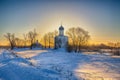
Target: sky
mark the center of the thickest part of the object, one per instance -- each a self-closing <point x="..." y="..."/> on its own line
<point x="101" y="18"/>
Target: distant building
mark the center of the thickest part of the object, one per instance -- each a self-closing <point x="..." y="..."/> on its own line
<point x="37" y="44"/>
<point x="61" y="41"/>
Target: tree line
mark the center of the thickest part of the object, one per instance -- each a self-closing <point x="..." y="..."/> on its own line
<point x="29" y="39"/>
<point x="14" y="41"/>
<point x="78" y="39"/>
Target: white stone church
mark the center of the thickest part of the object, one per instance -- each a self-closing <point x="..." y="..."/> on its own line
<point x="61" y="41"/>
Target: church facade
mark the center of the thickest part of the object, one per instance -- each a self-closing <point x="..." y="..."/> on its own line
<point x="61" y="41"/>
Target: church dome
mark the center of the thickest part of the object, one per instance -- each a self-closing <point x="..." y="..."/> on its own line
<point x="61" y="28"/>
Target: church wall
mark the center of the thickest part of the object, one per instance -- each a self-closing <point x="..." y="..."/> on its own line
<point x="61" y="41"/>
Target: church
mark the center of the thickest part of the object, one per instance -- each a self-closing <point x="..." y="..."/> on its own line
<point x="61" y="41"/>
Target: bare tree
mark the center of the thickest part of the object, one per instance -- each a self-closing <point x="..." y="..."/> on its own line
<point x="25" y="39"/>
<point x="82" y="37"/>
<point x="32" y="37"/>
<point x="11" y="38"/>
<point x="48" y="38"/>
<point x="19" y="42"/>
<point x="78" y="38"/>
<point x="49" y="34"/>
<point x="35" y="35"/>
<point x="55" y="33"/>
<point x="45" y="40"/>
<point x="72" y="37"/>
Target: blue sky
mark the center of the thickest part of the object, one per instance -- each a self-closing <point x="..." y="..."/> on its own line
<point x="100" y="17"/>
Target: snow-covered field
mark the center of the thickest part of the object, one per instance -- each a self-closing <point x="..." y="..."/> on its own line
<point x="57" y="65"/>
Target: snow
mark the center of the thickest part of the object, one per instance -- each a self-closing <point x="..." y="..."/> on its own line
<point x="50" y="64"/>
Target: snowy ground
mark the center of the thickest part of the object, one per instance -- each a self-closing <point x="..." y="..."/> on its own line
<point x="57" y="65"/>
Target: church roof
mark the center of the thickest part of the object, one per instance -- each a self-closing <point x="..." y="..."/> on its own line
<point x="61" y="28"/>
